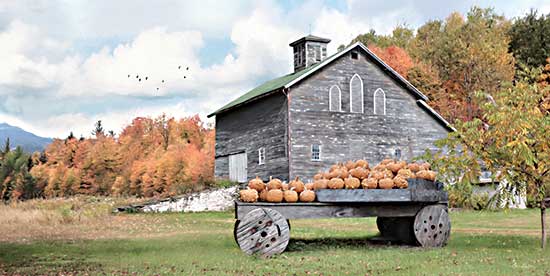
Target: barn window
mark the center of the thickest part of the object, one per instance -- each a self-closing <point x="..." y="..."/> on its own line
<point x="261" y="156"/>
<point x="379" y="102"/>
<point x="317" y="50"/>
<point x="354" y="55"/>
<point x="335" y="98"/>
<point x="356" y="94"/>
<point x="315" y="152"/>
<point x="397" y="154"/>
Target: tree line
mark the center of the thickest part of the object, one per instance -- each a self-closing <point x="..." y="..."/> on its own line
<point x="449" y="60"/>
<point x="151" y="157"/>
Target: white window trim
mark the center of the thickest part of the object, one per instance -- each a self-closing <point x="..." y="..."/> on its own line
<point x="374" y="99"/>
<point x="261" y="161"/>
<point x="320" y="151"/>
<point x="330" y="98"/>
<point x="351" y="95"/>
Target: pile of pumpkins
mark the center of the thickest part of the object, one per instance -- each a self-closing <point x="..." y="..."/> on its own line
<point x="388" y="174"/>
<point x="276" y="191"/>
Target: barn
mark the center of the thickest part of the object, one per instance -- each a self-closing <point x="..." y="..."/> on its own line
<point x="349" y="105"/>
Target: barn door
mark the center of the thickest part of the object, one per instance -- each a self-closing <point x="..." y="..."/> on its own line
<point x="237" y="167"/>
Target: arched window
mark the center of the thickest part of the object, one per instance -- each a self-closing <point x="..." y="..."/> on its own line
<point x="356" y="94"/>
<point x="379" y="102"/>
<point x="335" y="98"/>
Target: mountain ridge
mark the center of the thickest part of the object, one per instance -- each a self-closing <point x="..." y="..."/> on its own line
<point x="30" y="142"/>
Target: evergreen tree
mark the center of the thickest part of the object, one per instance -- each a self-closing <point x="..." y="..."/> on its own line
<point x="98" y="130"/>
<point x="529" y="39"/>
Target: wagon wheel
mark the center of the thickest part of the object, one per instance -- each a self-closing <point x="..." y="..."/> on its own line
<point x="432" y="226"/>
<point x="235" y="230"/>
<point x="263" y="231"/>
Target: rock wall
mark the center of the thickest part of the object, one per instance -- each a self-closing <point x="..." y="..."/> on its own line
<point x="211" y="200"/>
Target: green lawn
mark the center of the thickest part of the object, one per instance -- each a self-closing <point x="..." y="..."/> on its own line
<point x="482" y="243"/>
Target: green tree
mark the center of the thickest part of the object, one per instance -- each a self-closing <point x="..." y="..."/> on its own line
<point x="401" y="37"/>
<point x="98" y="129"/>
<point x="15" y="180"/>
<point x="510" y="139"/>
<point x="7" y="148"/>
<point x="529" y="39"/>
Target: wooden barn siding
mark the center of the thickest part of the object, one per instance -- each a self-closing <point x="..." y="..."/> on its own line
<point x="345" y="135"/>
<point x="250" y="127"/>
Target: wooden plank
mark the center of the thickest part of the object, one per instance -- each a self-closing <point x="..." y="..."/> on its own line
<point x="363" y="195"/>
<point x="324" y="210"/>
<point x="428" y="196"/>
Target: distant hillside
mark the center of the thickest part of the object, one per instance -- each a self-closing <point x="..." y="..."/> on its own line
<point x="19" y="137"/>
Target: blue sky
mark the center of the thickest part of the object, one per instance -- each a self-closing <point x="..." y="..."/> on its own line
<point x="65" y="64"/>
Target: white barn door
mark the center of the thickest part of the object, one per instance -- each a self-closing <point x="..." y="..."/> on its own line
<point x="237" y="167"/>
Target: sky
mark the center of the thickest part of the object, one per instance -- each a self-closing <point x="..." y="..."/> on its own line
<point x="65" y="64"/>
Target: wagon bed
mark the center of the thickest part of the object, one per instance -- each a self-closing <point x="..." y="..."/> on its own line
<point x="416" y="215"/>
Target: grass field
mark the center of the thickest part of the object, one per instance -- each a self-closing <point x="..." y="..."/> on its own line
<point x="81" y="236"/>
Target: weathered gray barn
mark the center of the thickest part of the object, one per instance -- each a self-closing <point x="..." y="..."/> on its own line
<point x="350" y="105"/>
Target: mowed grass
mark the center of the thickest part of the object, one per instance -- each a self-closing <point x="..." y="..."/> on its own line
<point x="482" y="243"/>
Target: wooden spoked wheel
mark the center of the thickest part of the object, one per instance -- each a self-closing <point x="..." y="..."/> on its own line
<point x="262" y="231"/>
<point x="432" y="226"/>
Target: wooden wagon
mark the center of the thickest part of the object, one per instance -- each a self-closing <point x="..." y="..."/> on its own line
<point x="416" y="215"/>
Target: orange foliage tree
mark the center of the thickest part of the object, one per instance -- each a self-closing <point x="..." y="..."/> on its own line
<point x="151" y="157"/>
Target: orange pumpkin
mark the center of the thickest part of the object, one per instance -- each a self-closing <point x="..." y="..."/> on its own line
<point x="297" y="184"/>
<point x="275" y="195"/>
<point x="352" y="183"/>
<point x="406" y="173"/>
<point x="336" y="183"/>
<point x="307" y="196"/>
<point x="362" y="164"/>
<point x="290" y="196"/>
<point x="370" y="183"/>
<point x="386" y="161"/>
<point x="414" y="167"/>
<point x="263" y="195"/>
<point x="320" y="184"/>
<point x="385" y="183"/>
<point x="400" y="182"/>
<point x="274" y="183"/>
<point x="256" y="184"/>
<point x="248" y="195"/>
<point x="350" y="165"/>
<point x="318" y="176"/>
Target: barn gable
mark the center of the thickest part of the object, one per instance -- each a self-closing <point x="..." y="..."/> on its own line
<point x="287" y="81"/>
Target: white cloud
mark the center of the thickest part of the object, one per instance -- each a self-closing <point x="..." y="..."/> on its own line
<point x="65" y="63"/>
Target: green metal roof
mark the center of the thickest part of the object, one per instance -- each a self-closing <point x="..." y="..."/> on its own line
<point x="266" y="87"/>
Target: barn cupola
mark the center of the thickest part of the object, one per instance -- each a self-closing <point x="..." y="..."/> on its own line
<point x="309" y="50"/>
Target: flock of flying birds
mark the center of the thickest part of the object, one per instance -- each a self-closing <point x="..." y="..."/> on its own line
<point x="146" y="78"/>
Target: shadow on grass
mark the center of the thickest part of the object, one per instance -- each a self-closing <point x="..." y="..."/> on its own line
<point x="457" y="241"/>
<point x="316" y="244"/>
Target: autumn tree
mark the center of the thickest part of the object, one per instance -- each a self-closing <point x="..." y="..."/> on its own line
<point x="470" y="53"/>
<point x="395" y="57"/>
<point x="510" y="139"/>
